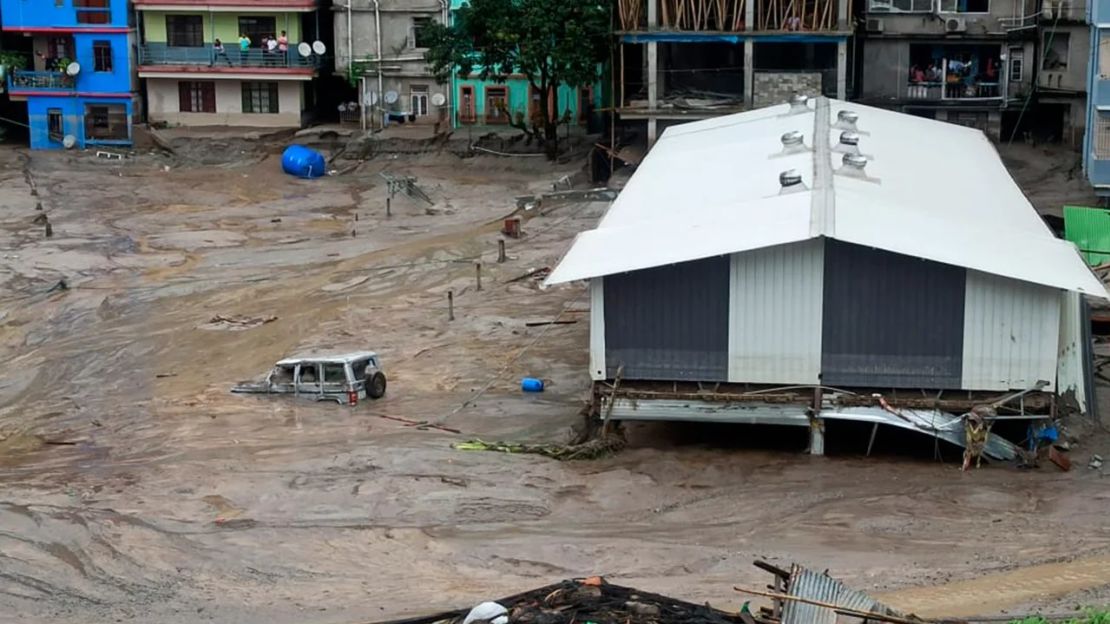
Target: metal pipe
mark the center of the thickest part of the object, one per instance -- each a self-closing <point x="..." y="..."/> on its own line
<point x="445" y="8"/>
<point x="378" y="37"/>
<point x="350" y="40"/>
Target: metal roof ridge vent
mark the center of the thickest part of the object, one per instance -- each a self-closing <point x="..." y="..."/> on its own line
<point x="793" y="142"/>
<point x="854" y="166"/>
<point x="799" y="104"/>
<point x="791" y="182"/>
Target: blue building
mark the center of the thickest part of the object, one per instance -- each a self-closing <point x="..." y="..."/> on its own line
<point x="1096" y="140"/>
<point x="77" y="80"/>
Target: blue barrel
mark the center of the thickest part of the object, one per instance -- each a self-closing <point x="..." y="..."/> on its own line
<point x="303" y="162"/>
<point x="531" y="384"/>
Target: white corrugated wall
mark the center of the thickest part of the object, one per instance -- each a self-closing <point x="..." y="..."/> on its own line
<point x="1070" y="375"/>
<point x="597" y="329"/>
<point x="1011" y="333"/>
<point x="775" y="314"/>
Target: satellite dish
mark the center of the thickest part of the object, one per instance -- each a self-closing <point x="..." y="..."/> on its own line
<point x="69" y="141"/>
<point x="438" y="99"/>
<point x="352" y="106"/>
<point x="319" y="48"/>
<point x="73" y="69"/>
<point x="342" y="108"/>
<point x="391" y="97"/>
<point x="304" y="49"/>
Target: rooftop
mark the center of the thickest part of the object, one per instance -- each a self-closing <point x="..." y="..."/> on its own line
<point x="922" y="188"/>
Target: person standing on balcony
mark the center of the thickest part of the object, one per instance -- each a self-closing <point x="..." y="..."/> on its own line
<point x="219" y="51"/>
<point x="272" y="51"/>
<point x="244" y="48"/>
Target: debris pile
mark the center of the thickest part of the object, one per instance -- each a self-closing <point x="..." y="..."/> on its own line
<point x="594" y="448"/>
<point x="579" y="602"/>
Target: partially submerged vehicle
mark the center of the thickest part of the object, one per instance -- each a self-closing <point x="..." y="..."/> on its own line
<point x="344" y="378"/>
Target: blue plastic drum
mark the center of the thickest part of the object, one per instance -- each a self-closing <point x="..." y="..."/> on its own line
<point x="303" y="162"/>
<point x="531" y="384"/>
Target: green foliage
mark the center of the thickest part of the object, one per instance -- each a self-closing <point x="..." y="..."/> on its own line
<point x="550" y="42"/>
<point x="12" y="60"/>
<point x="356" y="70"/>
<point x="1092" y="616"/>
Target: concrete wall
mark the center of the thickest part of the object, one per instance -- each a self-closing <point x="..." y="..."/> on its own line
<point x="43" y="13"/>
<point x="222" y="26"/>
<point x="1072" y="77"/>
<point x="771" y="87"/>
<point x="396" y="18"/>
<point x="73" y="119"/>
<point x="1001" y="15"/>
<point x="163" y="105"/>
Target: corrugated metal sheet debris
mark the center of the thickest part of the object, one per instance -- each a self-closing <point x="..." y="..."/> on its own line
<point x="928" y="422"/>
<point x="810" y="585"/>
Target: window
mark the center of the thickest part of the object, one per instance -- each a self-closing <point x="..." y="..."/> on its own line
<point x="106" y="122"/>
<point x="258" y="27"/>
<point x="418" y="32"/>
<point x="196" y="97"/>
<point x="585" y="104"/>
<point x="1104" y="53"/>
<point x="334" y="373"/>
<point x="466" y="105"/>
<point x="1102" y="136"/>
<point x="93" y="11"/>
<point x="1056" y="50"/>
<point x="54" y="126"/>
<point x="497" y="105"/>
<point x="102" y="56"/>
<point x="419" y="99"/>
<point x="1017" y="64"/>
<point x="185" y="31"/>
<point x="965" y="6"/>
<point x="902" y="6"/>
<point x="59" y="48"/>
<point x="260" y="97"/>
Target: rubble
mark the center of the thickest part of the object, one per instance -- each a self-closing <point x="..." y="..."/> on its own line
<point x="581" y="601"/>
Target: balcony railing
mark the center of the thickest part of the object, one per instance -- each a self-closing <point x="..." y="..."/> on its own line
<point x="953" y="91"/>
<point x="20" y="79"/>
<point x="161" y="54"/>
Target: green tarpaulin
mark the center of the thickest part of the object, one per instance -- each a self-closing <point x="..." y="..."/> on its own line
<point x="1089" y="229"/>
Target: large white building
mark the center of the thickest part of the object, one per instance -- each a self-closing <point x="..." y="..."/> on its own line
<point x="830" y="260"/>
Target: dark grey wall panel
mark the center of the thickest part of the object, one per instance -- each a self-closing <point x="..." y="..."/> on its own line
<point x="669" y="323"/>
<point x="890" y="321"/>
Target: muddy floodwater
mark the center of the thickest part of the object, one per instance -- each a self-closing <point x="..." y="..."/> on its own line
<point x="134" y="486"/>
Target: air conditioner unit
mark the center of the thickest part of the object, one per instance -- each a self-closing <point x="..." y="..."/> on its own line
<point x="874" y="25"/>
<point x="955" y="25"/>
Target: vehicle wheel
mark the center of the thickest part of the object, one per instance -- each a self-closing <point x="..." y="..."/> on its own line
<point x="376" y="387"/>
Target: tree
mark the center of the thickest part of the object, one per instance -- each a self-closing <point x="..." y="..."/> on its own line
<point x="550" y="42"/>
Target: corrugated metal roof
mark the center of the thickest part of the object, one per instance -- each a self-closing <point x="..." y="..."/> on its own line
<point x="932" y="190"/>
<point x="928" y="422"/>
<point x="1089" y="229"/>
<point x="805" y="583"/>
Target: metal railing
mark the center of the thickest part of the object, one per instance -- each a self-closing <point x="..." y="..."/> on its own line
<point x="953" y="91"/>
<point x="21" y="79"/>
<point x="160" y="54"/>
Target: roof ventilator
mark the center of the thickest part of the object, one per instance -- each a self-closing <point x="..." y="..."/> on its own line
<point x="799" y="103"/>
<point x="846" y="120"/>
<point x="793" y="142"/>
<point x="854" y="165"/>
<point x="849" y="143"/>
<point x="791" y="182"/>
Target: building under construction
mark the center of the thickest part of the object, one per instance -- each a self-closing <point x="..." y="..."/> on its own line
<point x="681" y="60"/>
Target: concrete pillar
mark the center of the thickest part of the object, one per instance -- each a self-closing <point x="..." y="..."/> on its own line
<point x="652" y="131"/>
<point x="652" y="87"/>
<point x="842" y="69"/>
<point x="749" y="72"/>
<point x="749" y="14"/>
<point x="842" y="15"/>
<point x="816" y="436"/>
